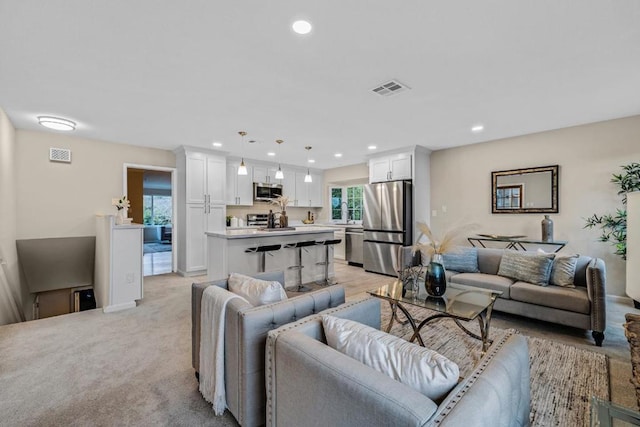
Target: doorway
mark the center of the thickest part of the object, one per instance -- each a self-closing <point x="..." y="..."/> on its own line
<point x="150" y="190"/>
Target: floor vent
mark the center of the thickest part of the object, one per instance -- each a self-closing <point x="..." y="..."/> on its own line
<point x="392" y="87"/>
<point x="60" y="155"/>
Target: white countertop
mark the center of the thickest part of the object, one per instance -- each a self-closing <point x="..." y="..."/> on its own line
<point x="244" y="233"/>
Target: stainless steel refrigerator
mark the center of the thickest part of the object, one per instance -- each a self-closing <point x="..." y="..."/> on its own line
<point x="387" y="222"/>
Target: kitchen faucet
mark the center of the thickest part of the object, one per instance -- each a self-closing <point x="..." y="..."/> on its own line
<point x="344" y="207"/>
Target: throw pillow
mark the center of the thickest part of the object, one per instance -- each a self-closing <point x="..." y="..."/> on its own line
<point x="526" y="266"/>
<point x="422" y="369"/>
<point x="563" y="271"/>
<point x="462" y="260"/>
<point x="256" y="291"/>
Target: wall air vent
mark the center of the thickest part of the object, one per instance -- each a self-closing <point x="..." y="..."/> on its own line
<point x="60" y="155"/>
<point x="392" y="87"/>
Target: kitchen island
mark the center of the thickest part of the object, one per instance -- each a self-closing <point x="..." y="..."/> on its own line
<point x="227" y="254"/>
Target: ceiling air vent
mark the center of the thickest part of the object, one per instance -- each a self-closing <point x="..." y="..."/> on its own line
<point x="60" y="155"/>
<point x="390" y="88"/>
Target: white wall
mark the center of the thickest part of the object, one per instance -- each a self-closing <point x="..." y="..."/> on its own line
<point x="341" y="176"/>
<point x="10" y="311"/>
<point x="587" y="155"/>
<point x="62" y="200"/>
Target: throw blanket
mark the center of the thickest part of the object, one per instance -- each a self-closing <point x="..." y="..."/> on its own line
<point x="213" y="307"/>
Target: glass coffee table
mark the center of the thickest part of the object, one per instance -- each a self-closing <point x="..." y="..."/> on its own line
<point x="458" y="303"/>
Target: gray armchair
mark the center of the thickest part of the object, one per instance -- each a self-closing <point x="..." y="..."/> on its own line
<point x="311" y="384"/>
<point x="246" y="330"/>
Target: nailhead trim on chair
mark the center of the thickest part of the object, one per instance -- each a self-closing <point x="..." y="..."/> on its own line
<point x="474" y="376"/>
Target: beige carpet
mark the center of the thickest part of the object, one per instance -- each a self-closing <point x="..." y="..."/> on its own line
<point x="127" y="368"/>
<point x="563" y="378"/>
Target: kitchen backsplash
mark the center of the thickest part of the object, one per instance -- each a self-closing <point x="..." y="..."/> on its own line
<point x="294" y="213"/>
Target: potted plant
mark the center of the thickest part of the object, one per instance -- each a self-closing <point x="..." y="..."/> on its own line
<point x="614" y="226"/>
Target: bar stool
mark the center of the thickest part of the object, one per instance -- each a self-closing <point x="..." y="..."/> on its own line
<point x="327" y="244"/>
<point x="298" y="265"/>
<point x="262" y="250"/>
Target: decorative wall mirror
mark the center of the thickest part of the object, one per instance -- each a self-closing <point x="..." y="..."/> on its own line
<point x="531" y="190"/>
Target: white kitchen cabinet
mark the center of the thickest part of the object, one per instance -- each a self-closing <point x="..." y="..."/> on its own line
<point x="265" y="174"/>
<point x="201" y="205"/>
<point x="339" y="249"/>
<point x="390" y="168"/>
<point x="289" y="186"/>
<point x="239" y="187"/>
<point x="119" y="274"/>
<point x="308" y="194"/>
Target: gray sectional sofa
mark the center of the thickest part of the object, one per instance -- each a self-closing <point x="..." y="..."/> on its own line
<point x="581" y="307"/>
<point x="311" y="384"/>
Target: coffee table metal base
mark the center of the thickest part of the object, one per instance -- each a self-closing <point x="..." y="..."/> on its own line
<point x="484" y="321"/>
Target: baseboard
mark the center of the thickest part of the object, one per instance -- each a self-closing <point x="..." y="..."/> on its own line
<point x="118" y="307"/>
<point x="621" y="300"/>
<point x="191" y="273"/>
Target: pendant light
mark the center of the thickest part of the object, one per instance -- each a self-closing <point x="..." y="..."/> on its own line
<point x="242" y="169"/>
<point x="307" y="177"/>
<point x="279" y="174"/>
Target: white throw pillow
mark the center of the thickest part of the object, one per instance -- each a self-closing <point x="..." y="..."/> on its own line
<point x="418" y="367"/>
<point x="256" y="291"/>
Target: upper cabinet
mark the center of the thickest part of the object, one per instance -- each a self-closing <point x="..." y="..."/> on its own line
<point x="265" y="174"/>
<point x="307" y="194"/>
<point x="390" y="168"/>
<point x="205" y="178"/>
<point x="239" y="187"/>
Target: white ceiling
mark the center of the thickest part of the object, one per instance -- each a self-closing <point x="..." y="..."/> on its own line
<point x="164" y="73"/>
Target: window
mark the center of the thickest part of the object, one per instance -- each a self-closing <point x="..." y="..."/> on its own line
<point x="156" y="209"/>
<point x="346" y="203"/>
<point x="509" y="197"/>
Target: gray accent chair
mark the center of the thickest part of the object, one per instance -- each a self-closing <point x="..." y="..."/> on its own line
<point x="581" y="307"/>
<point x="311" y="384"/>
<point x="246" y="330"/>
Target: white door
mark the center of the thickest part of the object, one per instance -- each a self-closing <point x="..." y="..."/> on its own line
<point x="378" y="170"/>
<point x="302" y="190"/>
<point x="196" y="242"/>
<point x="315" y="191"/>
<point x="231" y="194"/>
<point x="400" y="167"/>
<point x="196" y="178"/>
<point x="244" y="189"/>
<point x="216" y="177"/>
<point x="216" y="218"/>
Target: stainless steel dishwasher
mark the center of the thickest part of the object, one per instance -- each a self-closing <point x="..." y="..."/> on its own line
<point x="354" y="245"/>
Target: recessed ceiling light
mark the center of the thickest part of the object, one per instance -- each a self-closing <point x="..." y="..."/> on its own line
<point x="477" y="128"/>
<point x="301" y="27"/>
<point x="311" y="161"/>
<point x="56" y="123"/>
<point x="217" y="144"/>
<point x="372" y="147"/>
<point x="338" y="155"/>
<point x="271" y="153"/>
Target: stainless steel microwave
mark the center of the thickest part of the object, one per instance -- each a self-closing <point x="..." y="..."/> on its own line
<point x="266" y="192"/>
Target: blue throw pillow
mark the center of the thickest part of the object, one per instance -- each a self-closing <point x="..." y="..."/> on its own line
<point x="462" y="260"/>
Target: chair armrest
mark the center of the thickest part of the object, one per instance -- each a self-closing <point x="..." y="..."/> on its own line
<point x="596" y="288"/>
<point x="306" y="372"/>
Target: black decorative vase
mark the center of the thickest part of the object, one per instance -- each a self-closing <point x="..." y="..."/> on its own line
<point x="436" y="281"/>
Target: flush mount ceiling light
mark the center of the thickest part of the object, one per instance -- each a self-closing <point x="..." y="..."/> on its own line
<point x="217" y="144"/>
<point x="337" y="155"/>
<point x="279" y="174"/>
<point x="372" y="147"/>
<point x="271" y="154"/>
<point x="301" y="27"/>
<point x="311" y="161"/>
<point x="307" y="177"/>
<point x="56" y="123"/>
<point x="477" y="128"/>
<point x="242" y="169"/>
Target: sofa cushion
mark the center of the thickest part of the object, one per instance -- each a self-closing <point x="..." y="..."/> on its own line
<point x="461" y="259"/>
<point x="256" y="291"/>
<point x="485" y="281"/>
<point x="418" y="367"/>
<point x="563" y="270"/>
<point x="489" y="260"/>
<point x="570" y="299"/>
<point x="526" y="266"/>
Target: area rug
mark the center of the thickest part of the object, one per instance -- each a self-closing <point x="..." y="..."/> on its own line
<point x="563" y="378"/>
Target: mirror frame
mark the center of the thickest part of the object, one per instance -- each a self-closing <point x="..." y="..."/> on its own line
<point x="554" y="190"/>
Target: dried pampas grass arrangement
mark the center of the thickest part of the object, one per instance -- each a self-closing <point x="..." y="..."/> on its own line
<point x="439" y="246"/>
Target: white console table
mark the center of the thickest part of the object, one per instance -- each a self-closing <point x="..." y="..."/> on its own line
<point x="119" y="274"/>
